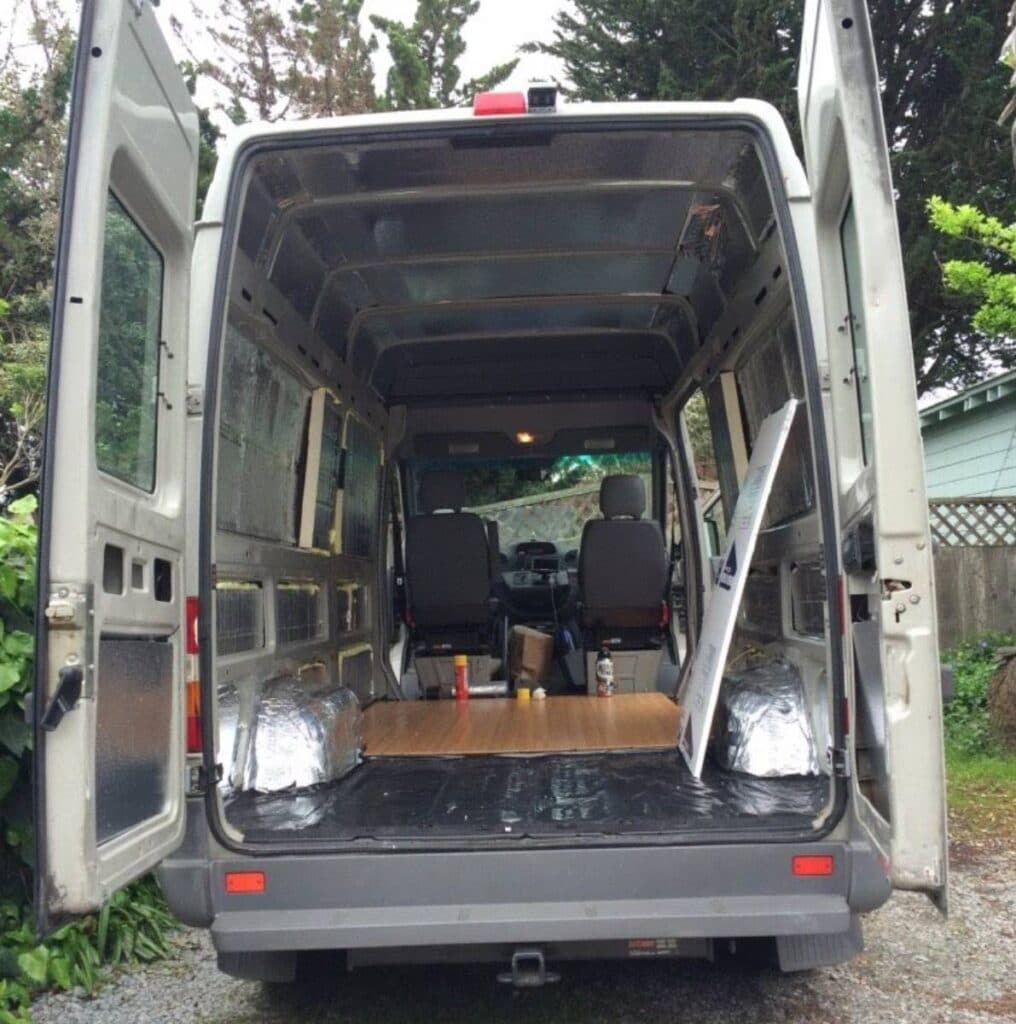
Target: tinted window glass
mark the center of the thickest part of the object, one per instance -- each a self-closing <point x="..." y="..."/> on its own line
<point x="130" y="314"/>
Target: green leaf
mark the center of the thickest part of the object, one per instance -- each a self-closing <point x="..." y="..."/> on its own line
<point x="9" y="963"/>
<point x="19" y="644"/>
<point x="60" y="972"/>
<point x="10" y="675"/>
<point x="26" y="506"/>
<point x="15" y="733"/>
<point x="9" y="770"/>
<point x="33" y="964"/>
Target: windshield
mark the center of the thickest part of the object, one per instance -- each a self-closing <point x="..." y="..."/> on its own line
<point x="538" y="499"/>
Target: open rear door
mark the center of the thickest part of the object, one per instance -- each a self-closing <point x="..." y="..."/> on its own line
<point x="896" y="721"/>
<point x="108" y="692"/>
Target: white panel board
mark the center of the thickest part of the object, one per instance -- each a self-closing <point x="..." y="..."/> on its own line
<point x="701" y="690"/>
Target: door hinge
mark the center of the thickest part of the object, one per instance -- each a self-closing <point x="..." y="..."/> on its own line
<point x="840" y="760"/>
<point x="195" y="400"/>
<point x="859" y="554"/>
<point x="202" y="779"/>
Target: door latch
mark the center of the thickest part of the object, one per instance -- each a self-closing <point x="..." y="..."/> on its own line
<point x="70" y="681"/>
<point x="840" y="762"/>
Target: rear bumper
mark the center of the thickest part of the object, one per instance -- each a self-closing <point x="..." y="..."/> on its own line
<point x="527" y="923"/>
<point x="377" y="899"/>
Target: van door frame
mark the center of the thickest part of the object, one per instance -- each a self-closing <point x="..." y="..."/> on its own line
<point x="762" y="123"/>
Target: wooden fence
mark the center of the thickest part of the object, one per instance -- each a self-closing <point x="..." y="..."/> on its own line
<point x="975" y="566"/>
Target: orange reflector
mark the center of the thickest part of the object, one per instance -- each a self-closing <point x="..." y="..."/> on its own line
<point x="487" y="103"/>
<point x="810" y="865"/>
<point x="193" y="717"/>
<point x="245" y="881"/>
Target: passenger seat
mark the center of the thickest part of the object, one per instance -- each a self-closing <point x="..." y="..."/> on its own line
<point x="623" y="569"/>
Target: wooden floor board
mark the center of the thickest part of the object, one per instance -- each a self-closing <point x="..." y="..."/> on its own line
<point x="632" y="721"/>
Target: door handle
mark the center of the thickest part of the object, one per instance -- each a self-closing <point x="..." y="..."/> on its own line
<point x="70" y="681"/>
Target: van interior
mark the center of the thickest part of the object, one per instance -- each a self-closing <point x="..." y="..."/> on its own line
<point x="487" y="395"/>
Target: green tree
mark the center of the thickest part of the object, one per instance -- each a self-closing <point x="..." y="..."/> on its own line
<point x="988" y="283"/>
<point x="941" y="84"/>
<point x="274" y="61"/>
<point x="208" y="137"/>
<point x="333" y="71"/>
<point x="425" y="57"/>
<point x="34" y="90"/>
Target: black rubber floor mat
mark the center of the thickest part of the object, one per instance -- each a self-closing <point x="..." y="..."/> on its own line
<point x="539" y="796"/>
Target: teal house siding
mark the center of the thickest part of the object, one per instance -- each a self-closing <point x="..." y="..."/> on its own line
<point x="970" y="442"/>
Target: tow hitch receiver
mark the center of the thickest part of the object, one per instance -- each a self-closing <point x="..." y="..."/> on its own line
<point x="528" y="970"/>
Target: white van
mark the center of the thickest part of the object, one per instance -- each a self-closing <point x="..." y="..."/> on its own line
<point x="350" y="424"/>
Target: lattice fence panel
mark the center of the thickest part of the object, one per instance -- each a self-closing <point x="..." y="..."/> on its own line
<point x="973" y="522"/>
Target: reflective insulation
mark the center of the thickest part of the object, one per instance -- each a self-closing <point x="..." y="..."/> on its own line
<point x="301" y="737"/>
<point x="299" y="612"/>
<point x="134" y="701"/>
<point x="239" y="616"/>
<point x="765" y="730"/>
<point x="547" y="795"/>
<point x="261" y="430"/>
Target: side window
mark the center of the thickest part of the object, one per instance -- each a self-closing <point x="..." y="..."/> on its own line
<point x="361" y="491"/>
<point x="700" y="432"/>
<point x="130" y="323"/>
<point x="858" y="333"/>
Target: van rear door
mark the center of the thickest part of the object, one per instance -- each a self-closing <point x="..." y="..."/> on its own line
<point x="896" y="731"/>
<point x="109" y="761"/>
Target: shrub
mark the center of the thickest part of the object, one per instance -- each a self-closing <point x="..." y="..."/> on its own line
<point x="967" y="728"/>
<point x="135" y="924"/>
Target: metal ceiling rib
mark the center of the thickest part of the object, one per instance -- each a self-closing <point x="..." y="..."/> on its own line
<point x="410" y="249"/>
<point x="650" y="300"/>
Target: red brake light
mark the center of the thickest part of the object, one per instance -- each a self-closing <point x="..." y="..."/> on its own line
<point x="245" y="882"/>
<point x="193" y="692"/>
<point x="486" y="104"/>
<point x="812" y="865"/>
<point x="193" y="606"/>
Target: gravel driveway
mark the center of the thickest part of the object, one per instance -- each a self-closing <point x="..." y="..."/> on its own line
<point x="917" y="969"/>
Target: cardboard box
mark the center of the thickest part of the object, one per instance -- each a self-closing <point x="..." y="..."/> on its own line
<point x="529" y="654"/>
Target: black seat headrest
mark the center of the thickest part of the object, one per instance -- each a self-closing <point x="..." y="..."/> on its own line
<point x="442" y="491"/>
<point x="622" y="496"/>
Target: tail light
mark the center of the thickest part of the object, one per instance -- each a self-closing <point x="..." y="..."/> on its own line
<point x="245" y="882"/>
<point x="193" y="689"/>
<point x="810" y="865"/>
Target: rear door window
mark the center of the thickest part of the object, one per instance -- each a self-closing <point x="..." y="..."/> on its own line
<point x="130" y="320"/>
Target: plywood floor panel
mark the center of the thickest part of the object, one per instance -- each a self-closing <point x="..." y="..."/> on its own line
<point x="630" y="721"/>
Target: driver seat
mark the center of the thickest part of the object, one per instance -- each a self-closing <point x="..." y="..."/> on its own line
<point x="623" y="568"/>
<point x="448" y="570"/>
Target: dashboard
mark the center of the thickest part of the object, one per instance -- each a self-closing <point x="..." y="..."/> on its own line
<point x="538" y="573"/>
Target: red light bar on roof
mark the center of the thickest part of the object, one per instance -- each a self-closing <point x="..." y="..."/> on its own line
<point x="486" y="104"/>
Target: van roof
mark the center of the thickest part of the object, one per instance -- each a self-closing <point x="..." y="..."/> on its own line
<point x="445" y="256"/>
